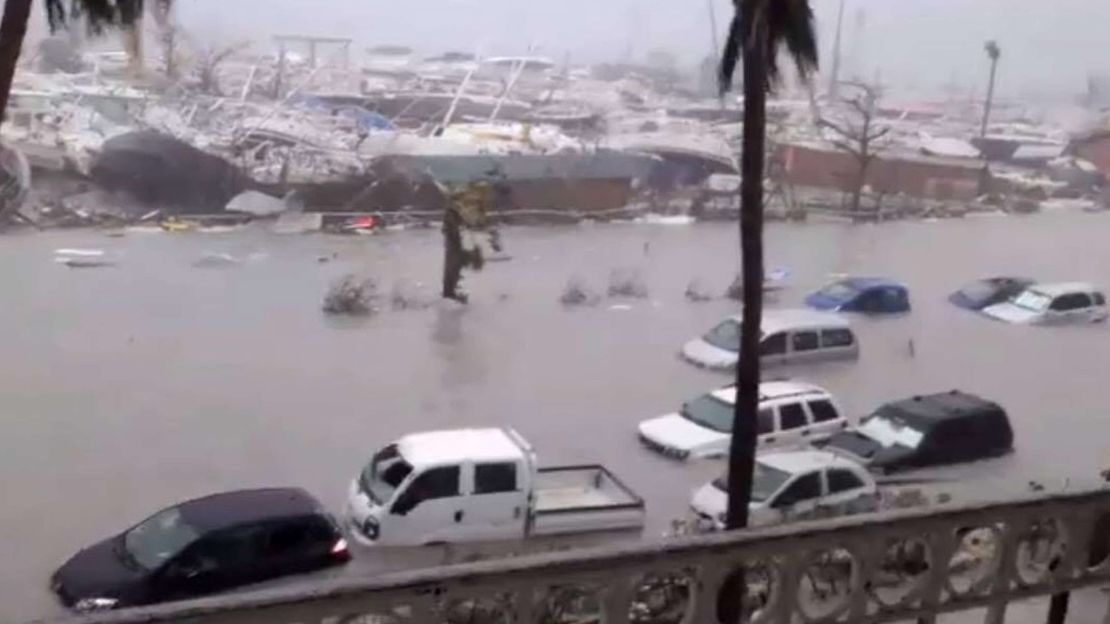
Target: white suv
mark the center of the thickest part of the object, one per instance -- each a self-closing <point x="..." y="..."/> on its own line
<point x="791" y="413"/>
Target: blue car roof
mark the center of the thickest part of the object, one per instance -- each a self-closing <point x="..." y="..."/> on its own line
<point x="864" y="283"/>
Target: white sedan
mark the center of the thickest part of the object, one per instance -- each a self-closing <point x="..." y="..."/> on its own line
<point x="792" y="485"/>
<point x="1052" y="304"/>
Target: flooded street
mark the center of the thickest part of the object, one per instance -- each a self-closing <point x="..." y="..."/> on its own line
<point x="129" y="388"/>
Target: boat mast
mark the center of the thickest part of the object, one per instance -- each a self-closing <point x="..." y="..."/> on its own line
<point x="459" y="92"/>
<point x="834" y="75"/>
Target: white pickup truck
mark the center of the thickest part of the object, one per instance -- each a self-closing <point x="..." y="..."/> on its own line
<point x="482" y="485"/>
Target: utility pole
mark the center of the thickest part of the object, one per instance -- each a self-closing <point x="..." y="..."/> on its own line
<point x="713" y="32"/>
<point x="834" y="75"/>
<point x="993" y="52"/>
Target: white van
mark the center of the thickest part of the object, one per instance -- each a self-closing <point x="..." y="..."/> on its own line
<point x="790" y="413"/>
<point x="789" y="337"/>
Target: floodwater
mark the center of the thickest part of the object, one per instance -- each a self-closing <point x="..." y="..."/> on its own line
<point x="126" y="389"/>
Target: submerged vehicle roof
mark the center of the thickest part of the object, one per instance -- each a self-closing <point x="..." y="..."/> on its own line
<point x="927" y="410"/>
<point x="238" y="507"/>
<point x="1056" y="289"/>
<point x="799" y="318"/>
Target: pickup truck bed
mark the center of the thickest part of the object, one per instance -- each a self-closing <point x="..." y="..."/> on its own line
<point x="576" y="499"/>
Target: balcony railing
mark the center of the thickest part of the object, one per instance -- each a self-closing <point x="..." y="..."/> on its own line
<point x="900" y="566"/>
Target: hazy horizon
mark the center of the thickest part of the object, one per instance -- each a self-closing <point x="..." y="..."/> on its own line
<point x="913" y="45"/>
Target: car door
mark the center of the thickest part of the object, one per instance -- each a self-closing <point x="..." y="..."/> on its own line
<point x="1098" y="310"/>
<point x="430" y="509"/>
<point x="772" y="349"/>
<point x="289" y="546"/>
<point x="767" y="426"/>
<point x="893" y="300"/>
<point x="867" y="302"/>
<point x="844" y="487"/>
<point x="498" y="506"/>
<point x="1070" y="308"/>
<point x="805" y="346"/>
<point x="211" y="564"/>
<point x="945" y="443"/>
<point x="794" y="425"/>
<point x="825" y="417"/>
<point x="799" y="499"/>
<point x="838" y="343"/>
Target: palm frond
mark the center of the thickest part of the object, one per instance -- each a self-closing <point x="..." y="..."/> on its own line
<point x="790" y="25"/>
<point x="777" y="24"/>
<point x="98" y="14"/>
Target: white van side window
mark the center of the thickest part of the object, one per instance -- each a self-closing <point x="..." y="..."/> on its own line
<point x="765" y="421"/>
<point x="831" y="338"/>
<point x="823" y="410"/>
<point x="805" y="341"/>
<point x="775" y="344"/>
<point x="793" y="416"/>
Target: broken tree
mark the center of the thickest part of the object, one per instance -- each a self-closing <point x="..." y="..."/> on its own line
<point x="859" y="136"/>
<point x="469" y="208"/>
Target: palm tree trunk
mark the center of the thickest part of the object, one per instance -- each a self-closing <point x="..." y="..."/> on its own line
<point x="13" y="27"/>
<point x="741" y="460"/>
<point x="990" y="98"/>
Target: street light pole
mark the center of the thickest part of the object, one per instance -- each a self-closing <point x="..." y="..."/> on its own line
<point x="993" y="52"/>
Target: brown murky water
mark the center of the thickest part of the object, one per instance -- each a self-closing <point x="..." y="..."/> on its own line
<point x="126" y="389"/>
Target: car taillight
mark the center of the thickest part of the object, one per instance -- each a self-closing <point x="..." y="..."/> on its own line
<point x="339" y="550"/>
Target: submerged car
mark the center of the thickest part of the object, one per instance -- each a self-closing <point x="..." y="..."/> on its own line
<point x="867" y="295"/>
<point x="987" y="292"/>
<point x="203" y="546"/>
<point x="932" y="430"/>
<point x="789" y="337"/>
<point x="790" y="413"/>
<point x="791" y="485"/>
<point x="1068" y="303"/>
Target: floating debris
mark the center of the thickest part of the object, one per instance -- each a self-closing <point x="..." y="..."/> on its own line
<point x="576" y="293"/>
<point x="352" y="296"/>
<point x="84" y="262"/>
<point x="627" y="283"/>
<point x="82" y="258"/>
<point x="774" y="280"/>
<point x="407" y="296"/>
<point x="85" y="253"/>
<point x="697" y="293"/>
<point x="735" y="290"/>
<point x="212" y="260"/>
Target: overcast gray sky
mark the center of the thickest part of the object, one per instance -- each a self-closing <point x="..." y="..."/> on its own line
<point x="1048" y="45"/>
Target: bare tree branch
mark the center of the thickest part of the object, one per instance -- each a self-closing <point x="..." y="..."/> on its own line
<point x="845" y="146"/>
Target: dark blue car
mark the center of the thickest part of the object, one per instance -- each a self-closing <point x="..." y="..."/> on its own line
<point x="989" y="291"/>
<point x="868" y="295"/>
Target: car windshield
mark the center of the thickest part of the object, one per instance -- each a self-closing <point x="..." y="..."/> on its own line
<point x="384" y="474"/>
<point x="889" y="431"/>
<point x="839" y="291"/>
<point x="725" y="336"/>
<point x="709" y="411"/>
<point x="159" y="538"/>
<point x="765" y="482"/>
<point x="1032" y="300"/>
